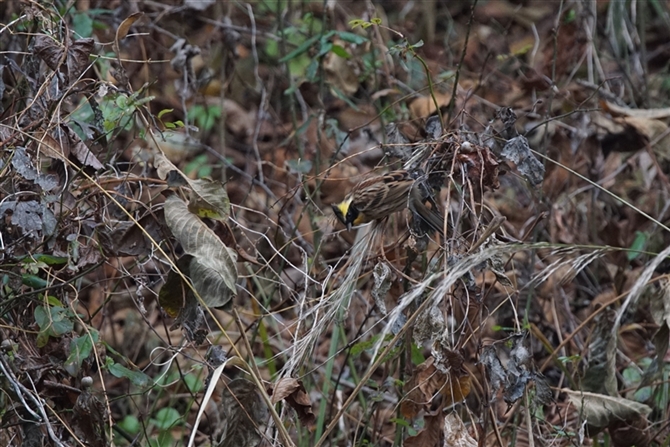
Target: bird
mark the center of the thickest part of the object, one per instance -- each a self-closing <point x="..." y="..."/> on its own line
<point x="378" y="197"/>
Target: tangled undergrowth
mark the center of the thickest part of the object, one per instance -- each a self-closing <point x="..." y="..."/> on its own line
<point x="173" y="273"/>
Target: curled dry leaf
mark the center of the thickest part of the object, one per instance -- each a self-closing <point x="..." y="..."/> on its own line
<point x="340" y="72"/>
<point x="427" y="381"/>
<point x="455" y="432"/>
<point x="213" y="269"/>
<point x="76" y="61"/>
<point x="600" y="410"/>
<point x="480" y="164"/>
<point x="122" y="30"/>
<point x="89" y="421"/>
<point x="518" y="152"/>
<point x="293" y="391"/>
<point x="425" y="105"/>
<point x="81" y="152"/>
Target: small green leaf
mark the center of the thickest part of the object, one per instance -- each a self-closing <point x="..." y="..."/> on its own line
<point x="306" y="45"/>
<point x="46" y="259"/>
<point x="301" y="166"/>
<point x="53" y="301"/>
<point x="352" y="37"/>
<point x="80" y="350"/>
<point x="82" y="24"/>
<point x="638" y="245"/>
<point x="137" y="378"/>
<point x="419" y="44"/>
<point x="340" y="51"/>
<point x="34" y="281"/>
<point x="166" y="418"/>
<point x="130" y="424"/>
<point x="163" y="112"/>
<point x="193" y="383"/>
<point x="311" y="71"/>
<point x="325" y="49"/>
<point x="53" y="322"/>
<point x="417" y="355"/>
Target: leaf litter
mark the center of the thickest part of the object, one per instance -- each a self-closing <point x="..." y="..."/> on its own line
<point x="163" y="151"/>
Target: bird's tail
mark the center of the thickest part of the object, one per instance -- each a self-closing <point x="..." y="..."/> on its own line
<point x="430" y="217"/>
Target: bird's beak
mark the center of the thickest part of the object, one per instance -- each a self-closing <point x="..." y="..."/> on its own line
<point x="349" y="226"/>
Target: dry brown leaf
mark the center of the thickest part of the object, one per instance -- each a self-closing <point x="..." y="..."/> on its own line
<point x="293" y="391"/>
<point x="122" y="30"/>
<point x="48" y="146"/>
<point x="455" y="432"/>
<point x="81" y="152"/>
<point x="637" y="113"/>
<point x="653" y="131"/>
<point x="424" y="106"/>
<point x="76" y="60"/>
<point x="426" y="381"/>
<point x="340" y="72"/>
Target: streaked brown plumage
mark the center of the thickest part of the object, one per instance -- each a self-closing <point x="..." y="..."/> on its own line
<point x="378" y="197"/>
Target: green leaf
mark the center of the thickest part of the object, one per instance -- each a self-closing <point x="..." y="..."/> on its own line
<point x="137" y="378"/>
<point x="306" y="45"/>
<point x="301" y="166"/>
<point x="166" y="418"/>
<point x="324" y="49"/>
<point x="82" y="24"/>
<point x="311" y="71"/>
<point x="163" y="112"/>
<point x="638" y="245"/>
<point x="340" y="51"/>
<point x="80" y="350"/>
<point x="130" y="424"/>
<point x="46" y="259"/>
<point x="419" y="44"/>
<point x="53" y="322"/>
<point x="352" y="37"/>
<point x="34" y="281"/>
<point x="417" y="355"/>
<point x="193" y="383"/>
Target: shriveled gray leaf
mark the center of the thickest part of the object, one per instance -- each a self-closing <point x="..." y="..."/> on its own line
<point x="660" y="311"/>
<point x="600" y="375"/>
<point x="433" y="127"/>
<point x="518" y="152"/>
<point x="383" y="282"/>
<point x="24" y="166"/>
<point x="30" y="216"/>
<point x="76" y="61"/>
<point x="198" y="5"/>
<point x="209" y="199"/>
<point x="80" y="150"/>
<point x="213" y="269"/>
<point x="494" y="369"/>
<point x="600" y="410"/>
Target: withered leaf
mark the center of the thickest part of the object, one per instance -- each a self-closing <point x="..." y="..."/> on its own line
<point x="76" y="62"/>
<point x="293" y="391"/>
